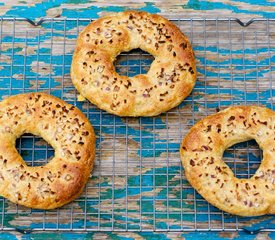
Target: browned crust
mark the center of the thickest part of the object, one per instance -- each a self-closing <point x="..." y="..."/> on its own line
<point x="201" y="154"/>
<point x="70" y="134"/>
<point x="170" y="79"/>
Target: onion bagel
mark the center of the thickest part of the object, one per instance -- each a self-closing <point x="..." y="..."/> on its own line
<point x="171" y="76"/>
<point x="68" y="131"/>
<point x="202" y="151"/>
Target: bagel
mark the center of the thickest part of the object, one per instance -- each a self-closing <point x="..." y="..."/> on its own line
<point x="202" y="151"/>
<point x="170" y="79"/>
<point x="68" y="131"/>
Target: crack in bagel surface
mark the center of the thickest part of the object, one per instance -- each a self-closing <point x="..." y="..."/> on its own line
<point x="66" y="129"/>
<point x="202" y="151"/>
<point x="169" y="80"/>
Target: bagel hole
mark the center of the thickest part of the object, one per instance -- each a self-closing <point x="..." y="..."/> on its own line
<point x="133" y="62"/>
<point x="34" y="150"/>
<point x="243" y="158"/>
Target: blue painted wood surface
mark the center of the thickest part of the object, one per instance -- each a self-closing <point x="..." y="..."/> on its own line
<point x="152" y="143"/>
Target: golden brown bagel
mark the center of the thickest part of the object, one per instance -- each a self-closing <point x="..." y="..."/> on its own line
<point x="170" y="79"/>
<point x="70" y="134"/>
<point x="202" y="151"/>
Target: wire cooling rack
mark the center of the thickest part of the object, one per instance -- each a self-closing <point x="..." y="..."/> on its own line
<point x="138" y="183"/>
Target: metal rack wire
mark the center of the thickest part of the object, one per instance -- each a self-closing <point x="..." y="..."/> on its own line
<point x="138" y="183"/>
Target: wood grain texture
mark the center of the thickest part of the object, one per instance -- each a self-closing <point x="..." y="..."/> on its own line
<point x="243" y="9"/>
<point x="133" y="235"/>
<point x="236" y="65"/>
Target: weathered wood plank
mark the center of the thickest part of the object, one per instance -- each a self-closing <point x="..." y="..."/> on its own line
<point x="192" y="8"/>
<point x="138" y="182"/>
